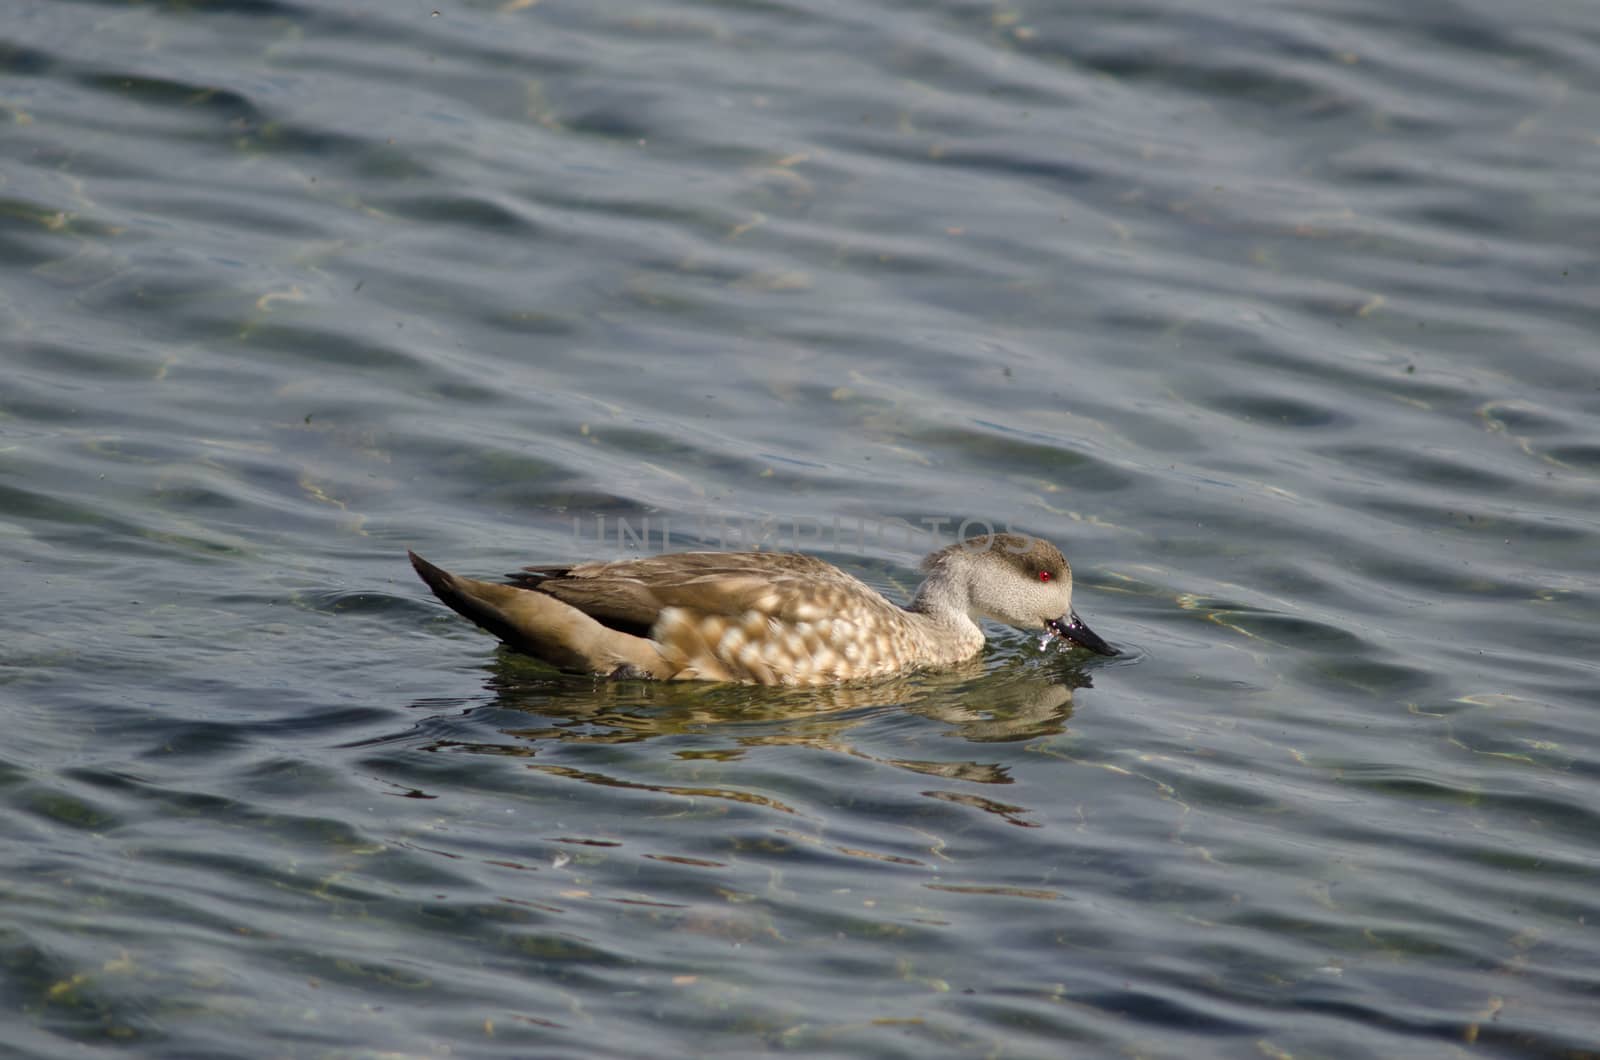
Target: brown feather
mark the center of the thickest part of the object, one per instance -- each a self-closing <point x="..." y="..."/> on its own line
<point x="629" y="595"/>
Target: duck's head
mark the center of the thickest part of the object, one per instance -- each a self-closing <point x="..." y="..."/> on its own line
<point x="1021" y="581"/>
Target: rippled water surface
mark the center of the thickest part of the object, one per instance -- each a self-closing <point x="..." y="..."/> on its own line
<point x="1280" y="318"/>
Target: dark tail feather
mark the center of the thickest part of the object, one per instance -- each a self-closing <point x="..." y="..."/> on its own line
<point x="448" y="589"/>
<point x="542" y="626"/>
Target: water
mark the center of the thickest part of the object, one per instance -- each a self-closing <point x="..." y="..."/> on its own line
<point x="1280" y="319"/>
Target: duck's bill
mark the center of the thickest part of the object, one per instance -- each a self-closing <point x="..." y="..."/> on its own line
<point x="1073" y="629"/>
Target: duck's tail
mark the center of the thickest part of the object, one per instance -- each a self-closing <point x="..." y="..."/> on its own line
<point x="542" y="626"/>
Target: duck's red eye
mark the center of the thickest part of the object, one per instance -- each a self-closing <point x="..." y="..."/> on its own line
<point x="1044" y="575"/>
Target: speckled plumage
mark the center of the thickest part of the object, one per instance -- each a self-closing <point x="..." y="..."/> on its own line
<point x="763" y="617"/>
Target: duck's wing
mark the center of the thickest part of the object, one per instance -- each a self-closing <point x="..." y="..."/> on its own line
<point x="630" y="595"/>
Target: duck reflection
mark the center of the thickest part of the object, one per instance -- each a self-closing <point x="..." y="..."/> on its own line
<point x="1019" y="697"/>
<point x="1016" y="701"/>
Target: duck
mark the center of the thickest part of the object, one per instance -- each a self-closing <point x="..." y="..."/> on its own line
<point x="768" y="618"/>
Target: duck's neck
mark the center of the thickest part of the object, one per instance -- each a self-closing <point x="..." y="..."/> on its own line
<point x="945" y="598"/>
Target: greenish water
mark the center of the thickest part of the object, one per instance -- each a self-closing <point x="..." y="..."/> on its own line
<point x="1281" y="320"/>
